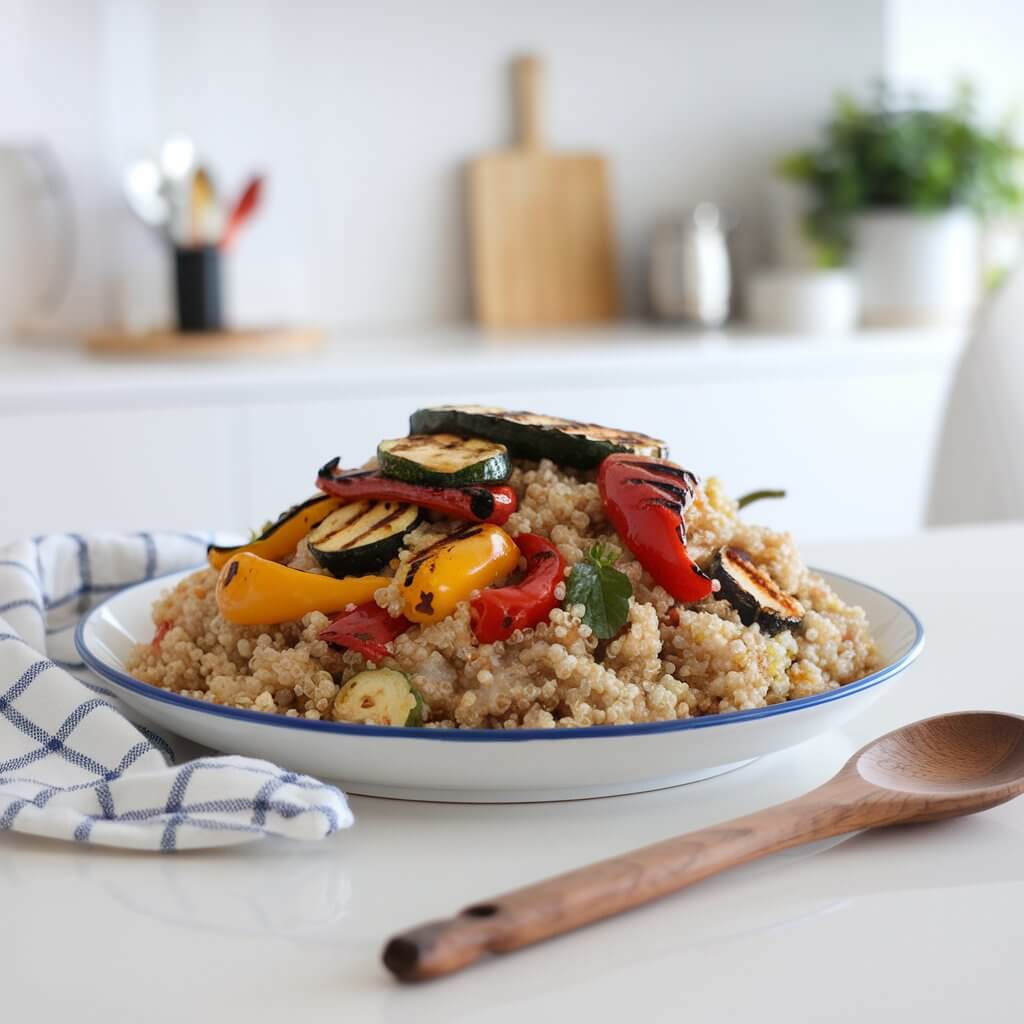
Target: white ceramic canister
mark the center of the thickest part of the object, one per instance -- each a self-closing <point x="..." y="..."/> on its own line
<point x="917" y="269"/>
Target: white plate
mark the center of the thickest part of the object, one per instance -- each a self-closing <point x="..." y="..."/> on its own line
<point x="478" y="765"/>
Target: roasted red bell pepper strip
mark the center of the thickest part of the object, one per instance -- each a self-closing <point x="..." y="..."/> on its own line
<point x="476" y="504"/>
<point x="367" y="629"/>
<point x="496" y="614"/>
<point x="644" y="499"/>
<point x="161" y="631"/>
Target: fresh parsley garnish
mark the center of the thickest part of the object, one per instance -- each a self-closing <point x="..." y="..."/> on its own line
<point x="749" y="499"/>
<point x="603" y="591"/>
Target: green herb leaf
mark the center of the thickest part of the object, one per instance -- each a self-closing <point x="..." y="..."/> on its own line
<point x="749" y="499"/>
<point x="256" y="534"/>
<point x="603" y="591"/>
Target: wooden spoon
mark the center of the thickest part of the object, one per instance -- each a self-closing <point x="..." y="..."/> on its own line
<point x="938" y="768"/>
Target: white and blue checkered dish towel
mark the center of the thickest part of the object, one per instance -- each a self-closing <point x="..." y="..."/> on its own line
<point x="72" y="765"/>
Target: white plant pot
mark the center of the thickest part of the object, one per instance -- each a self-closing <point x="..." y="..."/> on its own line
<point x="821" y="302"/>
<point x="917" y="269"/>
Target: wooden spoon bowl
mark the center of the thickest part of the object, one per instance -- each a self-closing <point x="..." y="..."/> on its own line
<point x="944" y="767"/>
<point x="937" y="768"/>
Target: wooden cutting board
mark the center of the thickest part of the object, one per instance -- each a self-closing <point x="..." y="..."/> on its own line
<point x="543" y="247"/>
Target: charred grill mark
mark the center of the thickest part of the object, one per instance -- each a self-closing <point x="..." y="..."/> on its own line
<point x="664" y="469"/>
<point x="762" y="580"/>
<point x="426" y="602"/>
<point x="683" y="494"/>
<point x="542" y="556"/>
<point x="428" y="552"/>
<point x="481" y="502"/>
<point x="231" y="573"/>
<point x="506" y="622"/>
<point x="661" y="503"/>
<point x="373" y="527"/>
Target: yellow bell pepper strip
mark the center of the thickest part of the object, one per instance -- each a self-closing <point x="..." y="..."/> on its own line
<point x="255" y="591"/>
<point x="281" y="538"/>
<point x="441" y="576"/>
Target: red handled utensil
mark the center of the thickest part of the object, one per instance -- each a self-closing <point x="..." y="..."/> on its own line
<point x="247" y="204"/>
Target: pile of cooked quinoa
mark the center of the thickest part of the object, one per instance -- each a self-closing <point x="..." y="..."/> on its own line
<point x="670" y="661"/>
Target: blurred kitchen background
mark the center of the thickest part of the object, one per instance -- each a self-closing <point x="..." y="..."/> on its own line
<point x="861" y="353"/>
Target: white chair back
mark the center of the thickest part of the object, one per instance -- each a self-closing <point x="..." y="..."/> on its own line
<point x="978" y="473"/>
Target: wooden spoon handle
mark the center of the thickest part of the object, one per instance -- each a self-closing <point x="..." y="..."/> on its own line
<point x="529" y="74"/>
<point x="568" y="901"/>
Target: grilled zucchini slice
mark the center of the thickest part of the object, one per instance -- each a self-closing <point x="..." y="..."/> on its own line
<point x="379" y="696"/>
<point x="362" y="536"/>
<point x="754" y="594"/>
<point x="529" y="435"/>
<point x="444" y="460"/>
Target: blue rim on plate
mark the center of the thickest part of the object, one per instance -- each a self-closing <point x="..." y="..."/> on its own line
<point x="498" y="735"/>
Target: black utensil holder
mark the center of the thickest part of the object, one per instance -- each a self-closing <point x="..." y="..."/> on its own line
<point x="197" y="288"/>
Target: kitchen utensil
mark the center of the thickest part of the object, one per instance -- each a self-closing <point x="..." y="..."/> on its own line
<point x="177" y="163"/>
<point x="543" y="246"/>
<point x="203" y="208"/>
<point x="496" y="765"/>
<point x="690" y="275"/>
<point x="177" y="158"/>
<point x="243" y="209"/>
<point x="37" y="240"/>
<point x="143" y="184"/>
<point x="933" y="769"/>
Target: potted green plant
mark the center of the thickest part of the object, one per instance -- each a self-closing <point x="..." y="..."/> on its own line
<point x="897" y="191"/>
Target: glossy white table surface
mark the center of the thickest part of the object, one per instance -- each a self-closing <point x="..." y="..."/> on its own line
<point x="914" y="924"/>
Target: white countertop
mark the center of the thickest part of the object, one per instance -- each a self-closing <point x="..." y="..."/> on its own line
<point x="913" y="924"/>
<point x="37" y="376"/>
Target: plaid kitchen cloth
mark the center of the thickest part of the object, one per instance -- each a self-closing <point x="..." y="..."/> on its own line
<point x="72" y="764"/>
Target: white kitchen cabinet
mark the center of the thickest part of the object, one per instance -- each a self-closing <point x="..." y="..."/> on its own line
<point x="847" y="427"/>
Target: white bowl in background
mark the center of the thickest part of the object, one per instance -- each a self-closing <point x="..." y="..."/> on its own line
<point x="803" y="301"/>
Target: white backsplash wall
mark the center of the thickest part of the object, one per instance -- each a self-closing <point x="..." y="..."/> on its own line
<point x="363" y="114"/>
<point x="926" y="51"/>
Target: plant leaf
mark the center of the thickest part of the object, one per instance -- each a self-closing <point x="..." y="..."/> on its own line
<point x="604" y="593"/>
